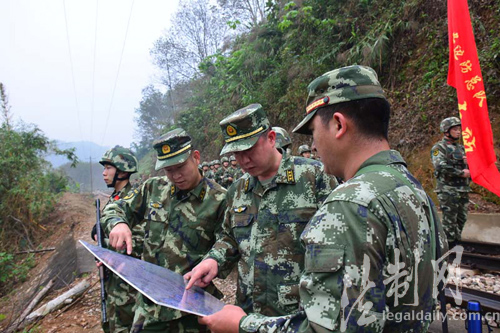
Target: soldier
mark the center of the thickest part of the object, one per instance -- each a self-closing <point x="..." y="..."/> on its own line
<point x="238" y="172"/>
<point x="283" y="140"/>
<point x="218" y="172"/>
<point x="205" y="168"/>
<point x="225" y="162"/>
<point x="305" y="151"/>
<point x="376" y="226"/>
<point x="232" y="173"/>
<point x="267" y="210"/>
<point x="119" y="164"/>
<point x="210" y="173"/>
<point x="453" y="179"/>
<point x="182" y="213"/>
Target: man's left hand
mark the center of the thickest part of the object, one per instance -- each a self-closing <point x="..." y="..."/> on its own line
<point x="225" y="321"/>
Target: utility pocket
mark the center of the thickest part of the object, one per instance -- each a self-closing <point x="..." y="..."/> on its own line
<point x="323" y="258"/>
<point x="288" y="297"/>
<point x="242" y="225"/>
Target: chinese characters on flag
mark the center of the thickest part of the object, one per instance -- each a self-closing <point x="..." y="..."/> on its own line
<point x="464" y="74"/>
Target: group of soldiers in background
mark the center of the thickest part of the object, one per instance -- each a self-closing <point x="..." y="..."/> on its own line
<point x="300" y="241"/>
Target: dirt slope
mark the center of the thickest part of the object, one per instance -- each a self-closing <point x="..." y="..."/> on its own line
<point x="73" y="219"/>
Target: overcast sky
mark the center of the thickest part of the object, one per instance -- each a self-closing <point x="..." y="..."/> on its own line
<point x="35" y="64"/>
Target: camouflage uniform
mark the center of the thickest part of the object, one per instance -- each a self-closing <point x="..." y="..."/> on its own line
<point x="179" y="228"/>
<point x="304" y="149"/>
<point x="366" y="227"/>
<point x="120" y="298"/>
<point x="219" y="173"/>
<point x="448" y="158"/>
<point x="263" y="223"/>
<point x="283" y="140"/>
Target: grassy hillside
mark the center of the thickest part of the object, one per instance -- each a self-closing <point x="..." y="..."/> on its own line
<point x="406" y="42"/>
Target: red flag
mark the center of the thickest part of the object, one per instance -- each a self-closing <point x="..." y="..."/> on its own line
<point x="464" y="74"/>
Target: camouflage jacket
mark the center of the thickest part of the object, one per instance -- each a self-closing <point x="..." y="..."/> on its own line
<point x="262" y="228"/>
<point x="233" y="173"/>
<point x="219" y="175"/>
<point x="137" y="232"/>
<point x="368" y="252"/>
<point x="180" y="227"/>
<point x="449" y="161"/>
<point x="209" y="174"/>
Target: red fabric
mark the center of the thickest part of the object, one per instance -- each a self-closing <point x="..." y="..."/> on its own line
<point x="117" y="197"/>
<point x="464" y="74"/>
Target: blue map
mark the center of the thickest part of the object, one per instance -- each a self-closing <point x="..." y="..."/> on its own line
<point x="160" y="285"/>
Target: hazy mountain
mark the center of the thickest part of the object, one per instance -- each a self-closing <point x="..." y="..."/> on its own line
<point x="84" y="150"/>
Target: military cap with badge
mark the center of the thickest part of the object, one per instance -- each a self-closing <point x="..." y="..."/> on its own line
<point x="242" y="129"/>
<point x="173" y="147"/>
<point x="340" y="85"/>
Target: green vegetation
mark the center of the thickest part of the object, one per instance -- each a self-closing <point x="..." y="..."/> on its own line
<point x="272" y="61"/>
<point x="29" y="189"/>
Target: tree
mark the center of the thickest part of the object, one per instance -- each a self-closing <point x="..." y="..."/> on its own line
<point x="248" y="12"/>
<point x="198" y="30"/>
<point x="154" y="114"/>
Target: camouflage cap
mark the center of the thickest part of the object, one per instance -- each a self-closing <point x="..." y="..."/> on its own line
<point x="448" y="123"/>
<point x="172" y="148"/>
<point x="121" y="158"/>
<point x="283" y="139"/>
<point x="242" y="129"/>
<point x="340" y="85"/>
<point x="304" y="149"/>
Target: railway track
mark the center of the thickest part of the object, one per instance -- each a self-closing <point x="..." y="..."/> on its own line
<point x="481" y="256"/>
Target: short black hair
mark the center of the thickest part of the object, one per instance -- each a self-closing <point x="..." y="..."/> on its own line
<point x="370" y="115"/>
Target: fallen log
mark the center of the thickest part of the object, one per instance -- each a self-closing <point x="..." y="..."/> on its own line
<point x="30" y="307"/>
<point x="37" y="251"/>
<point x="56" y="303"/>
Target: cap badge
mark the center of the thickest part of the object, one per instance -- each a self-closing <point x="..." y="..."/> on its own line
<point x="165" y="149"/>
<point x="230" y="130"/>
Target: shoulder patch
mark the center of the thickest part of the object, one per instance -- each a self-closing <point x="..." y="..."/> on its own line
<point x="240" y="209"/>
<point x="131" y="195"/>
<point x="435" y="152"/>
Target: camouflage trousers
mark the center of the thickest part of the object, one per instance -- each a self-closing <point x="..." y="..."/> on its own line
<point x="454" y="207"/>
<point x="186" y="324"/>
<point x="119" y="304"/>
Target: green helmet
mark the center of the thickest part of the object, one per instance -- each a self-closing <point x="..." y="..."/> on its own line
<point x="304" y="149"/>
<point x="448" y="123"/>
<point x="216" y="162"/>
<point x="204" y="164"/>
<point x="232" y="158"/>
<point x="224" y="159"/>
<point x="283" y="139"/>
<point x="121" y="158"/>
